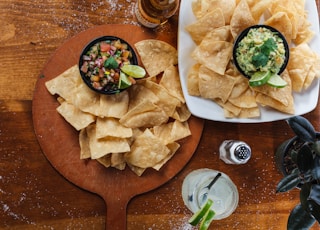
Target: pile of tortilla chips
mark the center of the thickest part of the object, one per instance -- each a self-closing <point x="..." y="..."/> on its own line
<point x="214" y="77"/>
<point x="139" y="127"/>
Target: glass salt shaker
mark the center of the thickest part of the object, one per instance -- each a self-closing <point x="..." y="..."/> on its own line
<point x="234" y="152"/>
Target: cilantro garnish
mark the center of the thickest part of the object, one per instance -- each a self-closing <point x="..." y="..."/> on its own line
<point x="261" y="56"/>
<point x="111" y="63"/>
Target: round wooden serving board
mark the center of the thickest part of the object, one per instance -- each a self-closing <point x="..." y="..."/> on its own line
<point x="59" y="140"/>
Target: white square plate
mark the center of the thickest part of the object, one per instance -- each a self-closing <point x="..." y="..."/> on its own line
<point x="304" y="102"/>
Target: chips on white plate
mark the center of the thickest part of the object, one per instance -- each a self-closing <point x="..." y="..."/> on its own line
<point x="214" y="77"/>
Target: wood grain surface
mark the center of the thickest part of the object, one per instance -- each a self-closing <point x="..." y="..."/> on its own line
<point x="34" y="195"/>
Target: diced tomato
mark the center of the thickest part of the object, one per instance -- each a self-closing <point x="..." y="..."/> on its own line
<point x="84" y="67"/>
<point x="116" y="76"/>
<point x="105" y="47"/>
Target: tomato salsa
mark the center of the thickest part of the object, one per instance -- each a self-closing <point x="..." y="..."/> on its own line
<point x="102" y="61"/>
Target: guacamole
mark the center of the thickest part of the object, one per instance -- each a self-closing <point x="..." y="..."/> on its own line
<point x="260" y="50"/>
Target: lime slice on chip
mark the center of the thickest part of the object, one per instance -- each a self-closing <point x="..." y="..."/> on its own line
<point x="134" y="71"/>
<point x="259" y="78"/>
<point x="197" y="216"/>
<point x="124" y="81"/>
<point x="277" y="81"/>
<point x="207" y="219"/>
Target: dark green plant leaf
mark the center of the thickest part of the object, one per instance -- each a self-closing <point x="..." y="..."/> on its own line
<point x="316" y="169"/>
<point x="315" y="193"/>
<point x="299" y="219"/>
<point x="294" y="155"/>
<point x="316" y="148"/>
<point x="314" y="209"/>
<point x="304" y="194"/>
<point x="305" y="159"/>
<point x="289" y="182"/>
<point x="302" y="128"/>
<point x="310" y="199"/>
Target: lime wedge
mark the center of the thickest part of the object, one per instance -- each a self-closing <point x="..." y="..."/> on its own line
<point x="207" y="219"/>
<point x="276" y="81"/>
<point x="134" y="71"/>
<point x="197" y="216"/>
<point x="124" y="81"/>
<point x="259" y="78"/>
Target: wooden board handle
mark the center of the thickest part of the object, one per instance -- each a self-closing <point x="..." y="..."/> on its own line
<point x="116" y="218"/>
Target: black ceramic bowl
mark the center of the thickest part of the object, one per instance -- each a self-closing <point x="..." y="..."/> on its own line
<point x="244" y="34"/>
<point x="104" y="88"/>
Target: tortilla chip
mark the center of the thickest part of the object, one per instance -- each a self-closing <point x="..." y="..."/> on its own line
<point x="268" y="101"/>
<point x="77" y="118"/>
<point x="220" y="34"/>
<point x="137" y="170"/>
<point x="259" y="8"/>
<point x="298" y="77"/>
<point x="172" y="131"/>
<point x="215" y="55"/>
<point x="100" y="147"/>
<point x="205" y="24"/>
<point x="182" y="113"/>
<point x="86" y="99"/>
<point x="249" y="112"/>
<point x="240" y="86"/>
<point x="156" y="55"/>
<point x="229" y="108"/>
<point x="171" y="81"/>
<point x="111" y="127"/>
<point x="84" y="144"/>
<point x="282" y="23"/>
<point x="241" y="18"/>
<point x="202" y="7"/>
<point x="213" y="85"/>
<point x="114" y="105"/>
<point x="282" y="95"/>
<point x="146" y="114"/>
<point x="278" y="98"/>
<point x="173" y="147"/>
<point x="245" y="100"/>
<point x="193" y="80"/>
<point x="138" y="93"/>
<point x="302" y="65"/>
<point x="105" y="160"/>
<point x="146" y="151"/>
<point x="65" y="84"/>
<point x="196" y="8"/>
<point x="166" y="102"/>
<point x="118" y="161"/>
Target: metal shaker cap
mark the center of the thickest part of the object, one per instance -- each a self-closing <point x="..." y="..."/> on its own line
<point x="234" y="152"/>
<point x="242" y="152"/>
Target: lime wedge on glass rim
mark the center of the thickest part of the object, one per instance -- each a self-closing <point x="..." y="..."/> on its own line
<point x="133" y="70"/>
<point x="124" y="81"/>
<point x="207" y="219"/>
<point x="259" y="78"/>
<point x="197" y="216"/>
<point x="276" y="81"/>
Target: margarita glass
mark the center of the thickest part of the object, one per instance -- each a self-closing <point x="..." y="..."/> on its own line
<point x="202" y="184"/>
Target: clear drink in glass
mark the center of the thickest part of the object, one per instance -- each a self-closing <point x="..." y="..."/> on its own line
<point x="223" y="192"/>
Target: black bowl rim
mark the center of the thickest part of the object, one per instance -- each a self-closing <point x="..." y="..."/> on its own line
<point x="245" y="32"/>
<point x="134" y="61"/>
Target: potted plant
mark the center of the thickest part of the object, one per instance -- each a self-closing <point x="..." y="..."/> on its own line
<point x="300" y="157"/>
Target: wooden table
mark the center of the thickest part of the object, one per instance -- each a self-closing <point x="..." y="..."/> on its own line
<point x="33" y="195"/>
